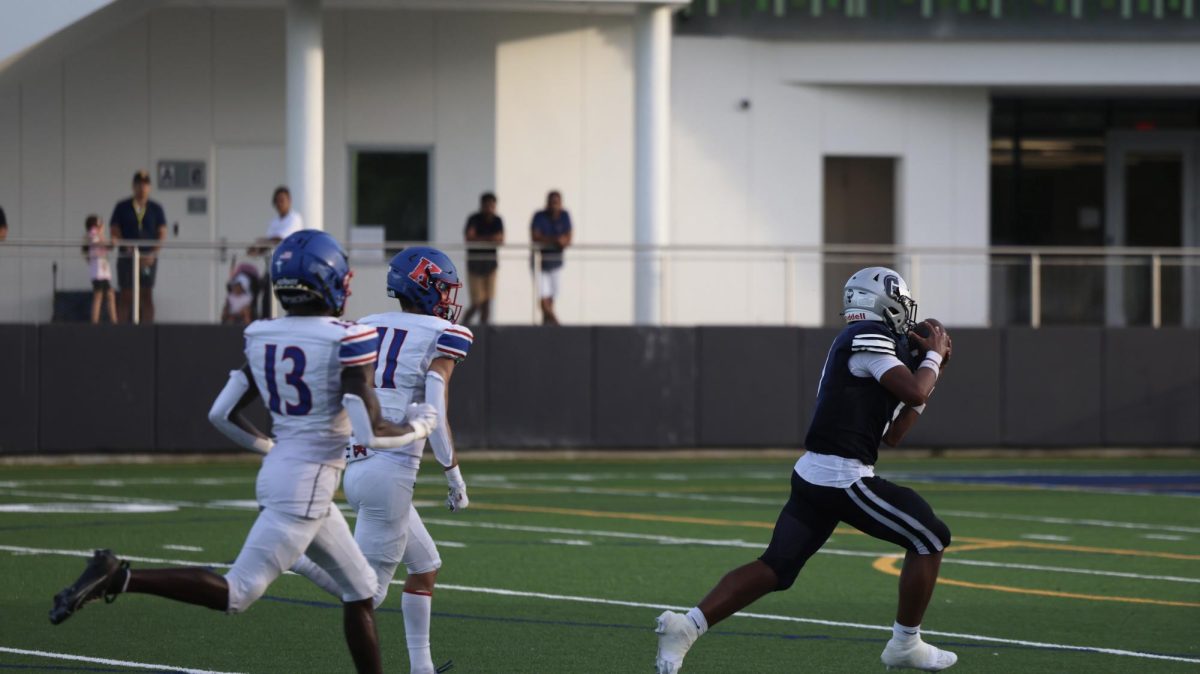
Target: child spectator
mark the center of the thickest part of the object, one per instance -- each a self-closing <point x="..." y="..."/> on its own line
<point x="96" y="251"/>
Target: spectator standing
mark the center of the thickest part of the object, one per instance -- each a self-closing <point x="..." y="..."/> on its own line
<point x="3" y="225"/>
<point x="133" y="219"/>
<point x="551" y="230"/>
<point x="285" y="223"/>
<point x="96" y="250"/>
<point x="484" y="233"/>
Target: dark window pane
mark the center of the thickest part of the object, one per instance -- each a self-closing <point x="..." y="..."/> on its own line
<point x="392" y="189"/>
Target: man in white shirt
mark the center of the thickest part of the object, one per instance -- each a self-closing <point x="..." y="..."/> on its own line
<point x="285" y="223"/>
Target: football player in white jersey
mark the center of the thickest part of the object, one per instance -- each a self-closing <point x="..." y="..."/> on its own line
<point x="302" y="364"/>
<point x="419" y="348"/>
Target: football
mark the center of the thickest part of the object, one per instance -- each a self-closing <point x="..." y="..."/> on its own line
<point x="923" y="329"/>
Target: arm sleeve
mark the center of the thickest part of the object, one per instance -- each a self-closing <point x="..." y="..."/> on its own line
<point x="454" y="343"/>
<point x="872" y="364"/>
<point x="218" y="415"/>
<point x="439" y="438"/>
<point x="359" y="346"/>
<point x="873" y="342"/>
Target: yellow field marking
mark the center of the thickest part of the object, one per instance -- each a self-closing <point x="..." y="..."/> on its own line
<point x="970" y="541"/>
<point x="888" y="565"/>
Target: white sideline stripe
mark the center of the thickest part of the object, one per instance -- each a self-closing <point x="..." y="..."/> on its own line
<point x="670" y="540"/>
<point x="1164" y="537"/>
<point x="738" y="543"/>
<point x="19" y="550"/>
<point x="1046" y="537"/>
<point x="817" y="621"/>
<point x="183" y="548"/>
<point x="107" y="661"/>
<point x="1064" y="569"/>
<point x="1067" y="520"/>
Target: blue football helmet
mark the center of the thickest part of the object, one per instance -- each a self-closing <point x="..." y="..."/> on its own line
<point x="427" y="278"/>
<point x="311" y="264"/>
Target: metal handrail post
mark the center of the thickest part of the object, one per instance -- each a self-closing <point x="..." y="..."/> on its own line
<point x="137" y="286"/>
<point x="1156" y="290"/>
<point x="664" y="287"/>
<point x="1035" y="290"/>
<point x="914" y="275"/>
<point x="537" y="286"/>
<point x="789" y="289"/>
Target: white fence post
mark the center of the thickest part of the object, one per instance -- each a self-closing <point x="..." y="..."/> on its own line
<point x="1035" y="289"/>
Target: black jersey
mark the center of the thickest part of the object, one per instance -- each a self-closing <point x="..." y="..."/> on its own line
<point x="853" y="412"/>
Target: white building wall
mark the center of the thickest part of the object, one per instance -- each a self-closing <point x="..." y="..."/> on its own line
<point x="754" y="177"/>
<point x="521" y="103"/>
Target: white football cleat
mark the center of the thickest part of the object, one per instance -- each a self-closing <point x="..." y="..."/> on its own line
<point x="917" y="655"/>
<point x="676" y="634"/>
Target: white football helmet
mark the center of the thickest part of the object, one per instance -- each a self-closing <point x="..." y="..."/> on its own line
<point x="879" y="294"/>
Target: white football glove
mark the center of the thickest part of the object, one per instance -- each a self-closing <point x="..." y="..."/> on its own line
<point x="456" y="499"/>
<point x="423" y="417"/>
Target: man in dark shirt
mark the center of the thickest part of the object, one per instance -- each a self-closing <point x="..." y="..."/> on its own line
<point x="132" y="219"/>
<point x="484" y="232"/>
<point x="877" y="377"/>
<point x="551" y="229"/>
<point x="3" y="225"/>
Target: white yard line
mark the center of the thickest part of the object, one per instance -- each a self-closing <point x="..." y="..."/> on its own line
<point x="1046" y="537"/>
<point x="106" y="661"/>
<point x="21" y="550"/>
<point x="1165" y="537"/>
<point x="817" y="621"/>
<point x="738" y="543"/>
<point x="182" y="548"/>
<point x="1142" y="526"/>
<point x="126" y="482"/>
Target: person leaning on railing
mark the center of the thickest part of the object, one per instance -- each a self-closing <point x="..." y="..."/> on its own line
<point x="132" y="219"/>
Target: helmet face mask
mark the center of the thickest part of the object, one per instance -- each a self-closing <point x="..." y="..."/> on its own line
<point x="880" y="294"/>
<point x="448" y="307"/>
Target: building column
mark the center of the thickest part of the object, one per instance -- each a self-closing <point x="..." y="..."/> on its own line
<point x="305" y="112"/>
<point x="652" y="167"/>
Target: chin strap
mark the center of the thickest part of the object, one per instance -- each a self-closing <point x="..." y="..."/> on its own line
<point x="223" y="406"/>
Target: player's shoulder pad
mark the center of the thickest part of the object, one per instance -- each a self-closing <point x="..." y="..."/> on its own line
<point x="358" y="344"/>
<point x="454" y="342"/>
<point x="871" y="337"/>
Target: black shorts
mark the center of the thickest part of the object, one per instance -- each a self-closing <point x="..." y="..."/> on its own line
<point x="872" y="505"/>
<point x="125" y="274"/>
<point x="101" y="284"/>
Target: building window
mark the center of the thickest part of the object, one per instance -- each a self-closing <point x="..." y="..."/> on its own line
<point x="1051" y="186"/>
<point x="391" y="189"/>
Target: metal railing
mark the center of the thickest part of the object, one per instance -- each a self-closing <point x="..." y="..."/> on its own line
<point x="700" y="284"/>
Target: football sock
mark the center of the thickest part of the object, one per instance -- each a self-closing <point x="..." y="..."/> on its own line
<point x="698" y="619"/>
<point x="309" y="569"/>
<point x="905" y="635"/>
<point x="417" y="608"/>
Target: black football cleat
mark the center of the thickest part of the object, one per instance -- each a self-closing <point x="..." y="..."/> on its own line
<point x="96" y="581"/>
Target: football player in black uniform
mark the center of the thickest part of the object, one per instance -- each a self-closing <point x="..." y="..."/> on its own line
<point x="872" y="390"/>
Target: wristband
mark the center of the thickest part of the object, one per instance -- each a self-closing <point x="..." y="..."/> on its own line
<point x="454" y="476"/>
<point x="933" y="361"/>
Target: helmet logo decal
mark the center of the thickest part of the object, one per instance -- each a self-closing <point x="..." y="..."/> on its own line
<point x="423" y="271"/>
<point x="891" y="285"/>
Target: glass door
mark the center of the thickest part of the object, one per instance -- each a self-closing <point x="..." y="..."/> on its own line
<point x="1151" y="185"/>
